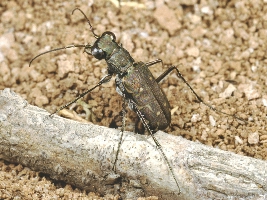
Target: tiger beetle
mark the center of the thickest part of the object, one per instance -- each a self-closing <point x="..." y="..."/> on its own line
<point x="135" y="83"/>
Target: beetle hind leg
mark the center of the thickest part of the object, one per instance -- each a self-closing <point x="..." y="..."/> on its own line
<point x="168" y="71"/>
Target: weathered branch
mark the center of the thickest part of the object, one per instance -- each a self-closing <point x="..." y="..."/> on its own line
<point x="83" y="155"/>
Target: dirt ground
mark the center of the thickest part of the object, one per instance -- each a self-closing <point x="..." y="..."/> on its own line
<point x="219" y="47"/>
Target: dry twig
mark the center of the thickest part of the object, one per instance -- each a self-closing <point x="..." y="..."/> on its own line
<point x="83" y="155"/>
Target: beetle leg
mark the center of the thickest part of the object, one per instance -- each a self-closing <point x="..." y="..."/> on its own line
<point x="138" y="112"/>
<point x="122" y="130"/>
<point x="103" y="80"/>
<point x="148" y="64"/>
<point x="164" y="74"/>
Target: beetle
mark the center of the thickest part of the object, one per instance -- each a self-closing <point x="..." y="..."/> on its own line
<point x="135" y="83"/>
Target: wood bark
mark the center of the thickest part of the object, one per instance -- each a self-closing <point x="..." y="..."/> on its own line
<point x="83" y="155"/>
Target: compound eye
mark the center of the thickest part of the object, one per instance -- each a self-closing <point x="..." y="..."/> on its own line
<point x="98" y="53"/>
<point x="112" y="35"/>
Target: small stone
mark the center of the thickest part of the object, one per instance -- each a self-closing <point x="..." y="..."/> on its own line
<point x="207" y="10"/>
<point x="195" y="19"/>
<point x="238" y="140"/>
<point x="249" y="90"/>
<point x="192" y="51"/>
<point x="64" y="66"/>
<point x="174" y="110"/>
<point x="263" y="137"/>
<point x="212" y="120"/>
<point x="7" y="16"/>
<point x="167" y="19"/>
<point x="236" y="65"/>
<point x="253" y="138"/>
<point x="220" y="132"/>
<point x="60" y="192"/>
<point x="195" y="118"/>
<point x="228" y="91"/>
<point x="4" y="70"/>
<point x="12" y="55"/>
<point x="253" y="43"/>
<point x="198" y="32"/>
<point x="35" y="92"/>
<point x="7" y="40"/>
<point x="264" y="102"/>
<point x="41" y="100"/>
<point x="204" y="135"/>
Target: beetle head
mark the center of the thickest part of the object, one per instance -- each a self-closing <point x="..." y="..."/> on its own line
<point x="103" y="46"/>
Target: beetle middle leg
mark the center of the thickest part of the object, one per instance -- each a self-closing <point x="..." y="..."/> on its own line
<point x="159" y="147"/>
<point x="122" y="131"/>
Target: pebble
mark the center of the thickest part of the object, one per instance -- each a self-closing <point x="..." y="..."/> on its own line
<point x="212" y="120"/>
<point x="195" y="118"/>
<point x="253" y="138"/>
<point x="249" y="90"/>
<point x="7" y="16"/>
<point x="64" y="67"/>
<point x="192" y="51"/>
<point x="228" y="91"/>
<point x="238" y="140"/>
<point x="263" y="137"/>
<point x="167" y="19"/>
<point x="264" y="102"/>
<point x="41" y="100"/>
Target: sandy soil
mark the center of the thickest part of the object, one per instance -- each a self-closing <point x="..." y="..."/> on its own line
<point x="220" y="48"/>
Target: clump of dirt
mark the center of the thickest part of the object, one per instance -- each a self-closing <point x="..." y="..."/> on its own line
<point x="218" y="47"/>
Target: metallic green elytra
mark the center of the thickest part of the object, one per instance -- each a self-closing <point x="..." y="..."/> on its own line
<point x="140" y="86"/>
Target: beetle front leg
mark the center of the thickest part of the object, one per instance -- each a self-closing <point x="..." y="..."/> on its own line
<point x="105" y="79"/>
